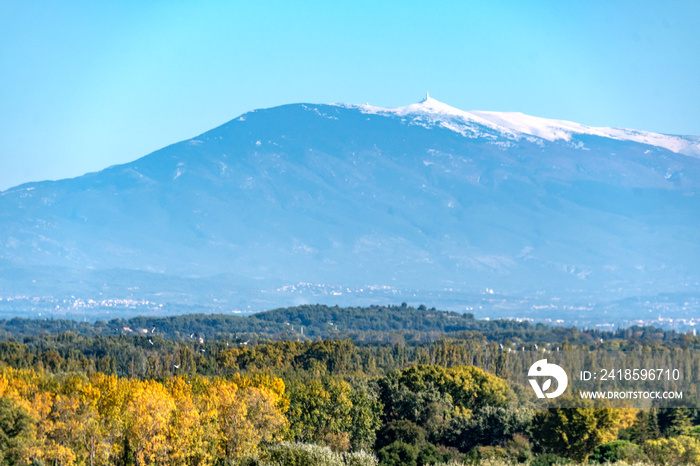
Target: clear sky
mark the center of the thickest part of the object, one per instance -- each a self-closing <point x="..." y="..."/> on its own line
<point x="85" y="85"/>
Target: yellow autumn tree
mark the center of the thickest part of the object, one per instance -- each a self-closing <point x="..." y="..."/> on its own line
<point x="191" y="435"/>
<point x="77" y="424"/>
<point x="57" y="428"/>
<point x="264" y="414"/>
<point x="230" y="415"/>
<point x="148" y="414"/>
<point x="264" y="381"/>
<point x="113" y="397"/>
<point x="576" y="427"/>
<point x="246" y="416"/>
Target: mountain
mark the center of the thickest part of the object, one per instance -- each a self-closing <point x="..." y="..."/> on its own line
<point x="356" y="204"/>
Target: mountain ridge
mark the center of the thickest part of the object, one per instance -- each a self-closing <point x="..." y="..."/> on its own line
<point x="341" y="196"/>
<point x="517" y="123"/>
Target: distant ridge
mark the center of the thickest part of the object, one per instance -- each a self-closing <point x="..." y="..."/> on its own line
<point x="360" y="205"/>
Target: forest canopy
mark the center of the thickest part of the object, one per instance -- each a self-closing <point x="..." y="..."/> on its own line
<point x="380" y="385"/>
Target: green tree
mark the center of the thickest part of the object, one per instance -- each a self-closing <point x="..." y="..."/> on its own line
<point x="468" y="386"/>
<point x="400" y="431"/>
<point x="398" y="454"/>
<point x="365" y="415"/>
<point x="320" y="410"/>
<point x="16" y="433"/>
<point x="618" y="450"/>
<point x="488" y="426"/>
<point x="429" y="454"/>
<point x="425" y="404"/>
<point x="674" y="421"/>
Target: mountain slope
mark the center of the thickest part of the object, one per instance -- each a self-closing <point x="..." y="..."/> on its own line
<point x="423" y="197"/>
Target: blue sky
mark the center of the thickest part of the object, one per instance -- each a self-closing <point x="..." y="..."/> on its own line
<point x="85" y="85"/>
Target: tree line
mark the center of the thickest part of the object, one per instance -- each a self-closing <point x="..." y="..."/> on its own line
<point x="84" y="396"/>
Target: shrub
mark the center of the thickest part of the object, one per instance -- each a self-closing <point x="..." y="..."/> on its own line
<point x="360" y="458"/>
<point x="519" y="449"/>
<point x="675" y="450"/>
<point x="398" y="454"/>
<point x="549" y="459"/>
<point x="618" y="450"/>
<point x="300" y="454"/>
<point x="400" y="431"/>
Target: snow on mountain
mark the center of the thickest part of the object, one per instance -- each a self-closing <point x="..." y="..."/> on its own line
<point x="515" y="125"/>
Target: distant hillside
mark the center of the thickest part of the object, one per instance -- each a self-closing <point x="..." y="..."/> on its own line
<point x="359" y="205"/>
<point x="375" y="324"/>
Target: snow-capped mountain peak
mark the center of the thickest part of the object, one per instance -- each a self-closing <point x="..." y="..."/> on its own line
<point x="553" y="130"/>
<point x="428" y="107"/>
<point x="515" y="125"/>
